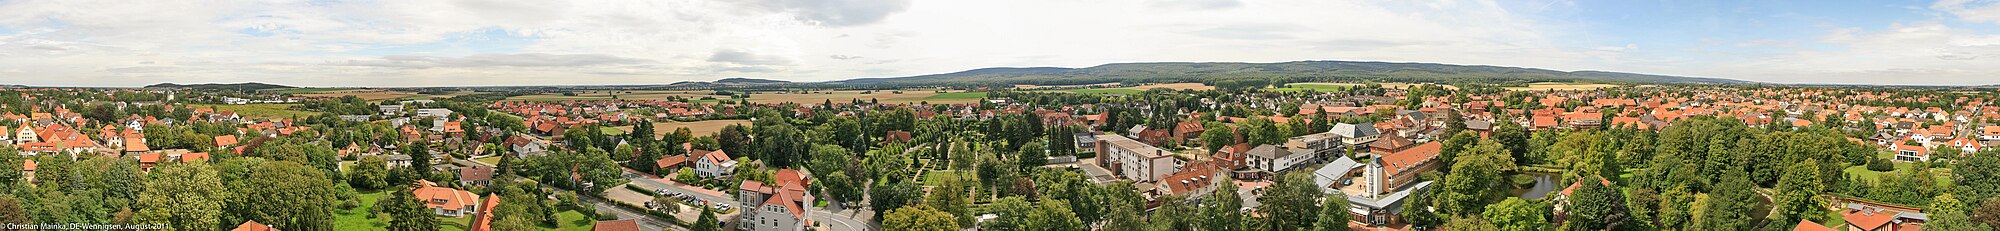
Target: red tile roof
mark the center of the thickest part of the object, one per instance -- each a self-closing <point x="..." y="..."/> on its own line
<point x="1869" y="219"/>
<point x="441" y="197"/>
<point x="1809" y="225"/>
<point x="1395" y="163"/>
<point x="618" y="225"/>
<point x="483" y="220"/>
<point x="253" y="226"/>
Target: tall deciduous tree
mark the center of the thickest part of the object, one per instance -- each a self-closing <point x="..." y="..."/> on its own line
<point x="1290" y="203"/>
<point x="186" y="196"/>
<point x="1798" y="192"/>
<point x="1515" y="214"/>
<point x="1596" y="207"/>
<point x="288" y="196"/>
<point x="407" y="213"/>
<point x="918" y="218"/>
<point x="1220" y="211"/>
<point x="1332" y="214"/>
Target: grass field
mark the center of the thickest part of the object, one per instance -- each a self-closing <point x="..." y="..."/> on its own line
<point x="699" y="128"/>
<point x="358" y="218"/>
<point x="1319" y="87"/>
<point x="1544" y="86"/>
<point x="935" y="178"/>
<point x="1119" y="90"/>
<point x="490" y="160"/>
<point x="267" y="111"/>
<point x="1102" y="91"/>
<point x="365" y="94"/>
<point x="572" y="220"/>
<point x="611" y="131"/>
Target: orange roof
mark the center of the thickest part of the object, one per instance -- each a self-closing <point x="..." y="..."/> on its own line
<point x="1869" y="219"/>
<point x="149" y="158"/>
<point x="1579" y="184"/>
<point x="442" y="197"/>
<point x="203" y="156"/>
<point x="716" y="156"/>
<point x="618" y="225"/>
<point x="28" y="165"/>
<point x="483" y="221"/>
<point x="227" y="140"/>
<point x="1809" y="225"/>
<point x="254" y="226"/>
<point x="1395" y="163"/>
<point x="136" y="144"/>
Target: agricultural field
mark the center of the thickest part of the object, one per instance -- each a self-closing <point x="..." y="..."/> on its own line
<point x="699" y="128"/>
<point x="908" y="96"/>
<point x="265" y="111"/>
<point x="1545" y="86"/>
<point x="1319" y="87"/>
<point x="610" y="95"/>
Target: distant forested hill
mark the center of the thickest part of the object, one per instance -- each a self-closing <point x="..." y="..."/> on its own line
<point x="1298" y="71"/>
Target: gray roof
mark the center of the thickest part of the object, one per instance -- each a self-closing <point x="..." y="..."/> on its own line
<point x="1327" y="175"/>
<point x="1391" y="201"/>
<point x="1478" y="125"/>
<point x="1354" y="130"/>
<point x="1270" y="151"/>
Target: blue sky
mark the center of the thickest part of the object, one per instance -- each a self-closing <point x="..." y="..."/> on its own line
<point x="498" y="42"/>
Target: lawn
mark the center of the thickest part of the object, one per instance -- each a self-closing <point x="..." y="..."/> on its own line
<point x="1319" y="87"/>
<point x="267" y="111"/>
<point x="1865" y="174"/>
<point x="490" y="160"/>
<point x="572" y="220"/>
<point x="935" y="178"/>
<point x="358" y="218"/>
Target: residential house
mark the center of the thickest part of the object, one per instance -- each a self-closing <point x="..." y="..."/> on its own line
<point x="253" y="226"/>
<point x="617" y="225"/>
<point x="1135" y="160"/>
<point x="1910" y="153"/>
<point x="28" y="170"/>
<point x="444" y="201"/>
<point x="774" y="207"/>
<point x="714" y="165"/>
<point x="1861" y="215"/>
<point x="1561" y="199"/>
<point x="1986" y="133"/>
<point x="1809" y="225"/>
<point x="482" y="220"/>
<point x="475" y="175"/>
<point x="434" y="112"/>
<point x="224" y="141"/>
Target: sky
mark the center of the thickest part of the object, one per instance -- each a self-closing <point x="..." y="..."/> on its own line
<point x="397" y="43"/>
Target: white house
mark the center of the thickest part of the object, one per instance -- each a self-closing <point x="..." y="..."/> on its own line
<point x="714" y="164"/>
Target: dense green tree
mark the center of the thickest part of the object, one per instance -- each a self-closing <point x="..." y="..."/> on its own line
<point x="1979" y="175"/>
<point x="186" y="196"/>
<point x="1219" y="212"/>
<point x="370" y="173"/>
<point x="1473" y="223"/>
<point x="1515" y="214"/>
<point x="1290" y="203"/>
<point x="1176" y="213"/>
<point x="288" y="196"/>
<point x="1124" y="217"/>
<point x="1948" y="213"/>
<point x="1721" y="213"/>
<point x="1032" y="155"/>
<point x="733" y="139"/>
<point x="707" y="221"/>
<point x="919" y="218"/>
<point x="1013" y="214"/>
<point x="1596" y="207"/>
<point x="1215" y="136"/>
<point x="1333" y="214"/>
<point x="407" y="213"/>
<point x="1055" y="215"/>
<point x="1453" y="146"/>
<point x="950" y="197"/>
<point x="891" y="196"/>
<point x="1798" y="192"/>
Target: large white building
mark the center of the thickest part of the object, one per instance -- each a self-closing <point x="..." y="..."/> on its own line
<point x="1135" y="160"/>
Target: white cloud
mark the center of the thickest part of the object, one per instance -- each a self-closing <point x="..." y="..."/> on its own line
<point x="418" y="43"/>
<point x="1926" y="53"/>
<point x="1970" y="10"/>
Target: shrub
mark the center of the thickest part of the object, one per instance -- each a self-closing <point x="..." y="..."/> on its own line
<point x="1881" y="165"/>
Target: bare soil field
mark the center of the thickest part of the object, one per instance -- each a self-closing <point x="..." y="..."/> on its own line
<point x="699" y="128"/>
<point x="365" y="94"/>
